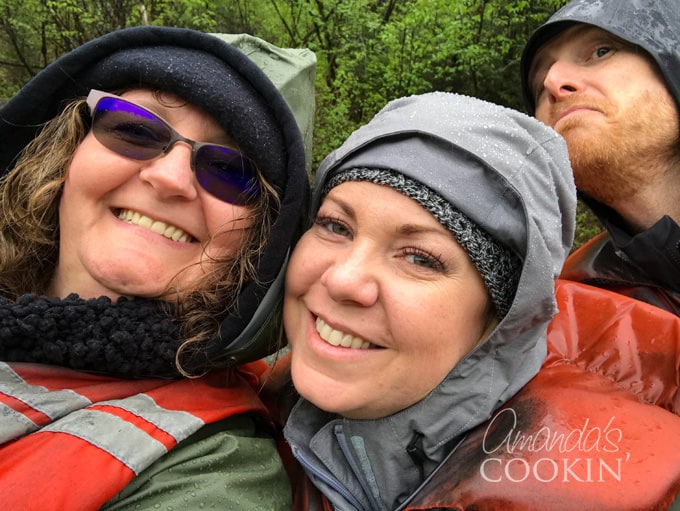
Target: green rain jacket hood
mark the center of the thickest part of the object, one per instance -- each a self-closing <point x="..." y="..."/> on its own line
<point x="508" y="173"/>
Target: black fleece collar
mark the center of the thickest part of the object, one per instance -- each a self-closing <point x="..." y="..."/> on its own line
<point x="129" y="339"/>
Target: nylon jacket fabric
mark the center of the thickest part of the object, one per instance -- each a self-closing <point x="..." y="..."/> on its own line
<point x="292" y="71"/>
<point x="220" y="78"/>
<point x="510" y="175"/>
<point x="82" y="438"/>
<point x="599" y="263"/>
<point x="595" y="430"/>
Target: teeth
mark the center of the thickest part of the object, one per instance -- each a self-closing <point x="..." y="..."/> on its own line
<point x="338" y="338"/>
<point x="169" y="231"/>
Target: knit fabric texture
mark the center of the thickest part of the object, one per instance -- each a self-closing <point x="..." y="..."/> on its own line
<point x="499" y="266"/>
<point x="129" y="338"/>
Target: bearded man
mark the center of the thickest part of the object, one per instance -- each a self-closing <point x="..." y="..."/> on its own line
<point x="606" y="76"/>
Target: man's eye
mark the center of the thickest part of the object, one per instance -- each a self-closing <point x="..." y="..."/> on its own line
<point x="602" y="51"/>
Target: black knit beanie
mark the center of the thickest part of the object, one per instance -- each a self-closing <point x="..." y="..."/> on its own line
<point x="499" y="266"/>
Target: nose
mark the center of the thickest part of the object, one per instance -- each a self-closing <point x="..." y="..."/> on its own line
<point x="561" y="81"/>
<point x="170" y="174"/>
<point x="352" y="278"/>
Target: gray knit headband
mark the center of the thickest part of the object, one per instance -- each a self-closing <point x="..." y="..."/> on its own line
<point x="499" y="266"/>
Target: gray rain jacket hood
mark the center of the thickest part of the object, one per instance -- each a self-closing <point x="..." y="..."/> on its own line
<point x="260" y="94"/>
<point x="508" y="173"/>
<point x="654" y="25"/>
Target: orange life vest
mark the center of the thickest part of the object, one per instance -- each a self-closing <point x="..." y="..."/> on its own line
<point x="71" y="440"/>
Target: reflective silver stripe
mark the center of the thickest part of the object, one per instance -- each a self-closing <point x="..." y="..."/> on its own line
<point x="177" y="423"/>
<point x="54" y="404"/>
<point x="14" y="424"/>
<point x="7" y="373"/>
<point x="122" y="440"/>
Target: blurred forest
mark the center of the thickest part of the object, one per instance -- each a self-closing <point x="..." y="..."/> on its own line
<point x="368" y="51"/>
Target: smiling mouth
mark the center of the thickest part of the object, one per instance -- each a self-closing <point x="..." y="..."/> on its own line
<point x="341" y="339"/>
<point x="169" y="231"/>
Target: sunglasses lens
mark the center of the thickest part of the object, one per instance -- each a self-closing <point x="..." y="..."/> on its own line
<point x="129" y="130"/>
<point x="226" y="174"/>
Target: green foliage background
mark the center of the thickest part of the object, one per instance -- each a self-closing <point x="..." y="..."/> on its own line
<point x="368" y="51"/>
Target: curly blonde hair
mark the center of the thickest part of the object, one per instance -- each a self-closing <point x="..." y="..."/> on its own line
<point x="29" y="234"/>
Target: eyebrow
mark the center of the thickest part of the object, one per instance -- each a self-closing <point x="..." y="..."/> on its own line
<point x="215" y="134"/>
<point x="411" y="229"/>
<point x="407" y="229"/>
<point x="346" y="208"/>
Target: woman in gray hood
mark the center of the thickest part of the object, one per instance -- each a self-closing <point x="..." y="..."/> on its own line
<point x="417" y="308"/>
<point x="499" y="185"/>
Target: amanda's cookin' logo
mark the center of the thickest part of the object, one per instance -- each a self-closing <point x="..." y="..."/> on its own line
<point x="586" y="454"/>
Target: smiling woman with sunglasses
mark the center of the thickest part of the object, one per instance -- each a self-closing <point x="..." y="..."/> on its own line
<point x="153" y="181"/>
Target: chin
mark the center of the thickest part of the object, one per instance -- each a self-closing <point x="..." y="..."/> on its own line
<point x="141" y="291"/>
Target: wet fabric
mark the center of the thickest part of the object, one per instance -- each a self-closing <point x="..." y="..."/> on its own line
<point x="596" y="430"/>
<point x="600" y="263"/>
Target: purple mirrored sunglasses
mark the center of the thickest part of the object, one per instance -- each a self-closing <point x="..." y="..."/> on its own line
<point x="132" y="131"/>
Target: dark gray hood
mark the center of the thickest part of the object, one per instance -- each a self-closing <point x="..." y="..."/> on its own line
<point x="508" y="173"/>
<point x="654" y="25"/>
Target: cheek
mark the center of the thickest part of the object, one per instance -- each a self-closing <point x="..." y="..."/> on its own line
<point x="94" y="170"/>
<point x="305" y="267"/>
<point x="542" y="111"/>
<point x="448" y="328"/>
<point x="303" y="272"/>
<point x="226" y="225"/>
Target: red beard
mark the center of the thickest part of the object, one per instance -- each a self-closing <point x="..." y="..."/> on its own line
<point x="617" y="155"/>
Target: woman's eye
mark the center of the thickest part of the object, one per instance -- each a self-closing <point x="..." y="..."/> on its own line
<point x="425" y="260"/>
<point x="135" y="133"/>
<point x="333" y="226"/>
<point x="336" y="228"/>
